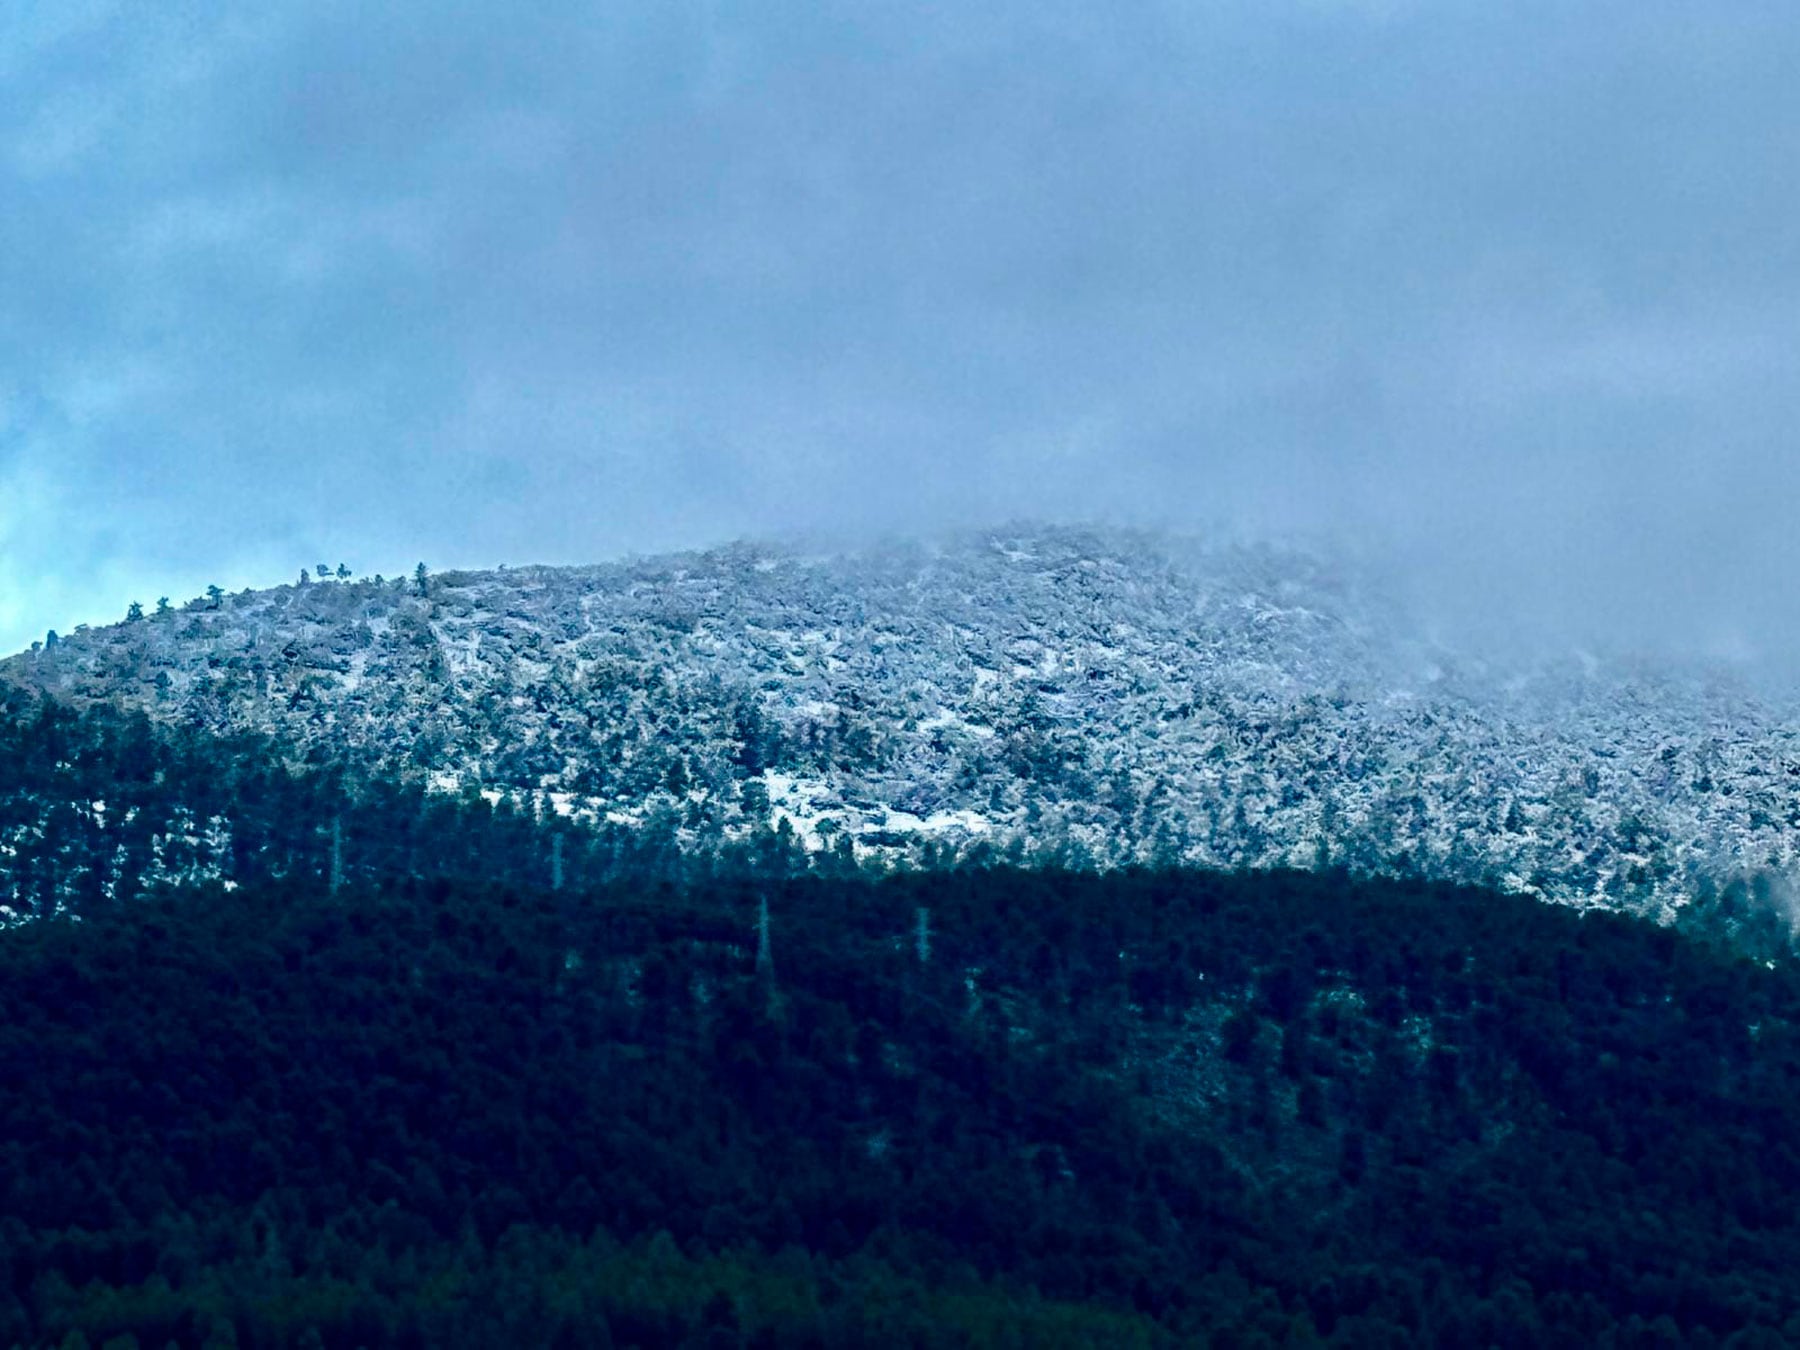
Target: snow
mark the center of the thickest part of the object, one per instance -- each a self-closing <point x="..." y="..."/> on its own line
<point x="1143" y="696"/>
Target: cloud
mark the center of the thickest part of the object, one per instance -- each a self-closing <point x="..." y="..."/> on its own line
<point x="1512" y="288"/>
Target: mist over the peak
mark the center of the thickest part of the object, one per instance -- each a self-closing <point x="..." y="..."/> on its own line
<point x="1506" y="295"/>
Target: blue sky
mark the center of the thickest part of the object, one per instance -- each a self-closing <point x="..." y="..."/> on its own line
<point x="1512" y="289"/>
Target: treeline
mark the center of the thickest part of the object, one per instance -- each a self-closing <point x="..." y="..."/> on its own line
<point x="99" y="805"/>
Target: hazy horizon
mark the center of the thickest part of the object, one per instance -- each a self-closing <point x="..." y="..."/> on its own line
<point x="1509" y="296"/>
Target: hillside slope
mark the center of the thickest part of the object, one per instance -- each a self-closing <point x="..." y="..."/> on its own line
<point x="1101" y="696"/>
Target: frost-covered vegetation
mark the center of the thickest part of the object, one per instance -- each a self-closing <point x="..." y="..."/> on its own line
<point x="1105" y="697"/>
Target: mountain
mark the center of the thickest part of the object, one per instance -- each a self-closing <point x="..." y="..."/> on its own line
<point x="440" y="979"/>
<point x="1093" y="696"/>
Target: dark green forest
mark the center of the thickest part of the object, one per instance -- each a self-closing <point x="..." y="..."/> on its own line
<point x="294" y="1057"/>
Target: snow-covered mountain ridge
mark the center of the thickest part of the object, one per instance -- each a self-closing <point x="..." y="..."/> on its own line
<point x="1117" y="696"/>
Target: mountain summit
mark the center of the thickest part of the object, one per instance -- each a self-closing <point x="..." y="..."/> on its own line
<point x="1099" y="696"/>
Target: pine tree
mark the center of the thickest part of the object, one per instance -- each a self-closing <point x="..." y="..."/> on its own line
<point x="765" y="958"/>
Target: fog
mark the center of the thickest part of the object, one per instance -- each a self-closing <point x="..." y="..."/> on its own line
<point x="1508" y="292"/>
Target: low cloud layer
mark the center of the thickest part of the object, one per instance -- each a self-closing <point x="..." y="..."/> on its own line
<point x="1513" y="289"/>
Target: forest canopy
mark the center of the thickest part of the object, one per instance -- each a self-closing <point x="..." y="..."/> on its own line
<point x="442" y="1099"/>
